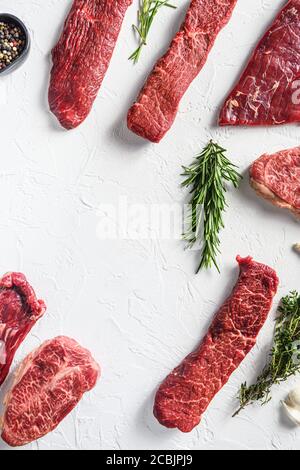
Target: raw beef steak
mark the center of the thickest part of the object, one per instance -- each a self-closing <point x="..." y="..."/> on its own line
<point x="82" y="56"/>
<point x="268" y="91"/>
<point x="155" y="110"/>
<point x="277" y="178"/>
<point x="19" y="311"/>
<point x="49" y="384"/>
<point x="186" y="393"/>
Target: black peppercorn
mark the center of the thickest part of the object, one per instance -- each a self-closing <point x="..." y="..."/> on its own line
<point x="12" y="43"/>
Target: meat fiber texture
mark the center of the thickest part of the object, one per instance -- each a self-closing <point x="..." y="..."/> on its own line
<point x="19" y="311"/>
<point x="49" y="384"/>
<point x="82" y="56"/>
<point x="156" y="107"/>
<point x="277" y="178"/>
<point x="186" y="393"/>
<point x="268" y="91"/>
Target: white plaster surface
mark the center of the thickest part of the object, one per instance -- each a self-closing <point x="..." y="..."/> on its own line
<point x="136" y="304"/>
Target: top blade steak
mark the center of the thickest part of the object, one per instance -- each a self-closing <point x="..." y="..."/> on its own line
<point x="48" y="385"/>
<point x="276" y="178"/>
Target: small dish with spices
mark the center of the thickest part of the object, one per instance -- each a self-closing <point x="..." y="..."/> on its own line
<point x="14" y="43"/>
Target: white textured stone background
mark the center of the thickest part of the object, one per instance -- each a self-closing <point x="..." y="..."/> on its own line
<point x="137" y="305"/>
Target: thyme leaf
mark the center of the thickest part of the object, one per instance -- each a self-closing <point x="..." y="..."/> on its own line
<point x="146" y="14"/>
<point x="284" y="357"/>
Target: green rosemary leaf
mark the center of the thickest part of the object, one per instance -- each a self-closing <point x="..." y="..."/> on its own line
<point x="207" y="176"/>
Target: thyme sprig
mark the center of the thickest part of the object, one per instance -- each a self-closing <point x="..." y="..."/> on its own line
<point x="146" y="14"/>
<point x="284" y="357"/>
<point x="207" y="177"/>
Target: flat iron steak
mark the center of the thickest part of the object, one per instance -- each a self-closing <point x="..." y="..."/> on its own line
<point x="185" y="394"/>
<point x="156" y="107"/>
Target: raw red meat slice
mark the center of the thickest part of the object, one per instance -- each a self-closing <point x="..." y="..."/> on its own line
<point x="155" y="110"/>
<point x="277" y="178"/>
<point x="82" y="56"/>
<point x="49" y="384"/>
<point x="269" y="89"/>
<point x="19" y="311"/>
<point x="186" y="393"/>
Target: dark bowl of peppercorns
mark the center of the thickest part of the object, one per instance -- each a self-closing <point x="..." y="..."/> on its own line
<point x="14" y="43"/>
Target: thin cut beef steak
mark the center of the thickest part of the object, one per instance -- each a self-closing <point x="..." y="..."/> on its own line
<point x="277" y="178"/>
<point x="82" y="56"/>
<point x="48" y="385"/>
<point x="19" y="311"/>
<point x="186" y="393"/>
<point x="155" y="110"/>
<point x="268" y="90"/>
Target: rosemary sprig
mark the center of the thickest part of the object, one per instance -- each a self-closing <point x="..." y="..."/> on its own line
<point x="148" y="10"/>
<point x="207" y="177"/>
<point x="284" y="357"/>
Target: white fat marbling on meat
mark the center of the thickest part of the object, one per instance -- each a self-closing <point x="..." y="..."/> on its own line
<point x="2" y="352"/>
